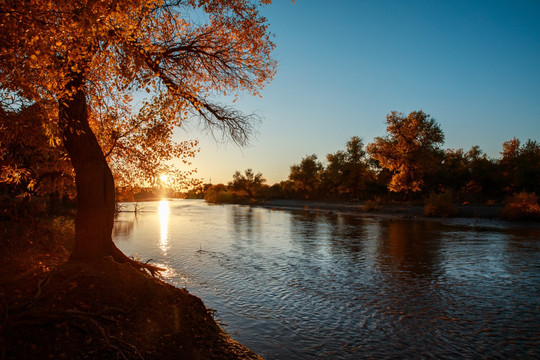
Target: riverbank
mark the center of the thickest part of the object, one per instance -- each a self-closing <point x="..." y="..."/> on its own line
<point x="468" y="215"/>
<point x="396" y="209"/>
<point x="54" y="308"/>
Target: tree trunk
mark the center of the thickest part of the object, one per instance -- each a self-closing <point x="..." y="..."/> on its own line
<point x="93" y="177"/>
<point x="94" y="182"/>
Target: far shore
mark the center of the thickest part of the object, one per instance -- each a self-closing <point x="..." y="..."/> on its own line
<point x="470" y="214"/>
<point x="406" y="210"/>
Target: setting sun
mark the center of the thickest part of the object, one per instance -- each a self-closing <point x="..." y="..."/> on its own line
<point x="163" y="177"/>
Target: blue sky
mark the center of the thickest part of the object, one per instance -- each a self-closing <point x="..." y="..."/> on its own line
<point x="474" y="66"/>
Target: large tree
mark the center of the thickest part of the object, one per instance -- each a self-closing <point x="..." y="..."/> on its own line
<point x="410" y="150"/>
<point x="90" y="57"/>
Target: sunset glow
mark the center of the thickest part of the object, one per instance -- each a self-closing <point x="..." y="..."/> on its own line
<point x="163" y="211"/>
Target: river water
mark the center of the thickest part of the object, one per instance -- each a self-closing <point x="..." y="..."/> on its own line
<point x="320" y="285"/>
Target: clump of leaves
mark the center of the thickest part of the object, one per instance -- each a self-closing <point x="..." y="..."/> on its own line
<point x="440" y="205"/>
<point x="522" y="206"/>
<point x="410" y="150"/>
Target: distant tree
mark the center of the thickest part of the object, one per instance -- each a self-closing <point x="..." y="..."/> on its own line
<point x="306" y="175"/>
<point x="509" y="164"/>
<point x="410" y="150"/>
<point x="249" y="182"/>
<point x="287" y="189"/>
<point x="347" y="171"/>
<point x="484" y="175"/>
<point x="90" y="58"/>
<point x="520" y="166"/>
<point x="529" y="179"/>
<point x="198" y="191"/>
<point x="276" y="191"/>
<point x="357" y="170"/>
<point x="218" y="194"/>
<point x="334" y="173"/>
<point x="454" y="173"/>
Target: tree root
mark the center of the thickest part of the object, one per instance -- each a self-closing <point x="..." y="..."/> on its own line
<point x="27" y="304"/>
<point x="120" y="257"/>
<point x="85" y="322"/>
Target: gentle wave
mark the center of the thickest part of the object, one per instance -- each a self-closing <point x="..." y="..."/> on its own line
<point x="310" y="286"/>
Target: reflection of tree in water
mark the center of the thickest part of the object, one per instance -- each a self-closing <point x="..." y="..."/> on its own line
<point x="123" y="228"/>
<point x="245" y="220"/>
<point x="347" y="234"/>
<point x="524" y="238"/>
<point x="410" y="246"/>
<point x="306" y="228"/>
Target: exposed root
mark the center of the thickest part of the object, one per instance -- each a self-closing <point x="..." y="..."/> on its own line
<point x="85" y="322"/>
<point x="120" y="257"/>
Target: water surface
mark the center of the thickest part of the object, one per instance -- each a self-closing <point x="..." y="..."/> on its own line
<point x="300" y="285"/>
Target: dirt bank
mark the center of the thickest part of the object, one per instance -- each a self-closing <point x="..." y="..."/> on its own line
<point x="54" y="309"/>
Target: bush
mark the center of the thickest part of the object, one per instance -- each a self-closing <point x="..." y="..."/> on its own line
<point x="522" y="206"/>
<point x="218" y="196"/>
<point x="370" y="205"/>
<point x="440" y="205"/>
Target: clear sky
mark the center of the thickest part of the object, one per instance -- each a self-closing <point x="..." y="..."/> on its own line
<point x="472" y="65"/>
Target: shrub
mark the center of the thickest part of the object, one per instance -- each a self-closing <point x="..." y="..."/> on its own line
<point x="440" y="205"/>
<point x="522" y="206"/>
<point x="370" y="205"/>
<point x="218" y="196"/>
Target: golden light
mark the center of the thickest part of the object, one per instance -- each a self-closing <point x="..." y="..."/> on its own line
<point x="163" y="211"/>
<point x="163" y="178"/>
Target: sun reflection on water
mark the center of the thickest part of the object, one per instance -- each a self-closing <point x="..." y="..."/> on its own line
<point x="163" y="211"/>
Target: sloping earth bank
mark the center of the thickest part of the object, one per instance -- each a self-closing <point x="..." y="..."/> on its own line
<point x="52" y="309"/>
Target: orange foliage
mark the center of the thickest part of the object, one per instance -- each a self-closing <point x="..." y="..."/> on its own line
<point x="410" y="150"/>
<point x="522" y="206"/>
<point x="176" y="55"/>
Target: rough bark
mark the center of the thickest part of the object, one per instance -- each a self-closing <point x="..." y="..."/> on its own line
<point x="93" y="177"/>
<point x="94" y="183"/>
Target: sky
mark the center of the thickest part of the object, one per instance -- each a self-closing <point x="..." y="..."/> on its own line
<point x="474" y="66"/>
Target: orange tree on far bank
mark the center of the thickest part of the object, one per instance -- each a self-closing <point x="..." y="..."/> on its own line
<point x="410" y="150"/>
<point x="90" y="57"/>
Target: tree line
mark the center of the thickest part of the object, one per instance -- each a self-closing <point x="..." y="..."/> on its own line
<point x="408" y="163"/>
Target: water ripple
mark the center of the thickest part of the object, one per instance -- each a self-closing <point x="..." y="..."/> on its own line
<point x="310" y="286"/>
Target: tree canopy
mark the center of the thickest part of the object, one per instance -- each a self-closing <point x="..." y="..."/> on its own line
<point x="410" y="150"/>
<point x="347" y="171"/>
<point x="249" y="182"/>
<point x="118" y="50"/>
<point x="306" y="175"/>
<point x="90" y="60"/>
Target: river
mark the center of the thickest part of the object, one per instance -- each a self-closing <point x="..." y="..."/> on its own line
<point x="324" y="285"/>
